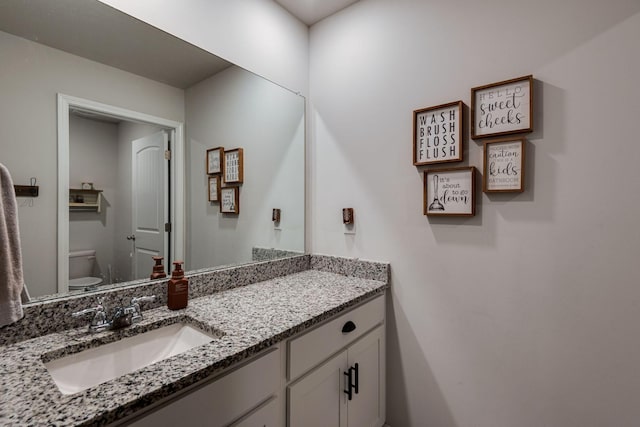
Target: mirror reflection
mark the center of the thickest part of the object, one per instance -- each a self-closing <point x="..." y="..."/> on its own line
<point x="113" y="200"/>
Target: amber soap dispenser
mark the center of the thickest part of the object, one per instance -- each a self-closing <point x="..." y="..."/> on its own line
<point x="178" y="290"/>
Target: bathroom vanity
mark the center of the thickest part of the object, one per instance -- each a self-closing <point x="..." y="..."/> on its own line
<point x="299" y="348"/>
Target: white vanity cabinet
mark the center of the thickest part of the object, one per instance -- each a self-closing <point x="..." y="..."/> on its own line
<point x="314" y="370"/>
<point x="235" y="398"/>
<point x="320" y="397"/>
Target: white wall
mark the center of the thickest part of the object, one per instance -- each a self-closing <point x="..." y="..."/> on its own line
<point x="93" y="157"/>
<point x="528" y="313"/>
<point x="255" y="34"/>
<point x="237" y="109"/>
<point x="30" y="77"/>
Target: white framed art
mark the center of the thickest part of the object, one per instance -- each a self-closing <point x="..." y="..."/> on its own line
<point x="450" y="192"/>
<point x="233" y="166"/>
<point x="503" y="169"/>
<point x="437" y="134"/>
<point x="502" y="108"/>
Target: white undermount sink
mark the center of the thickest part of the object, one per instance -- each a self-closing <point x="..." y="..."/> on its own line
<point x="88" y="368"/>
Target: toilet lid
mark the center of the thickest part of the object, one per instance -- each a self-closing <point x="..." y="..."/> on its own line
<point x="83" y="282"/>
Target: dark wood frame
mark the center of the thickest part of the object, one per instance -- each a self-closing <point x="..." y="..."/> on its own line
<point x="218" y="179"/>
<point x="236" y="195"/>
<point x="529" y="80"/>
<point x="426" y="201"/>
<point x="275" y="215"/>
<point x="460" y="126"/>
<point x="240" y="166"/>
<point x="347" y="216"/>
<point x="220" y="151"/>
<point x="523" y="149"/>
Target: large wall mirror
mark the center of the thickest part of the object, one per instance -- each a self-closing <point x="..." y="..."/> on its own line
<point x="92" y="100"/>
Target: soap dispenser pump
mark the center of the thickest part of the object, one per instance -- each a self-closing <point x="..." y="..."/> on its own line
<point x="158" y="268"/>
<point x="178" y="289"/>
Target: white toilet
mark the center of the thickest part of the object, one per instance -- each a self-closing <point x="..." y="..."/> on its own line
<point x="81" y="265"/>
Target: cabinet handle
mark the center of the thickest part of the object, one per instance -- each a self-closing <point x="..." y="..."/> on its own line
<point x="349" y="385"/>
<point x="348" y="327"/>
<point x="352" y="381"/>
<point x="355" y="370"/>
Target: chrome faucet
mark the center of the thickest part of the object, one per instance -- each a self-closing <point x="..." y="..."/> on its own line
<point x="122" y="316"/>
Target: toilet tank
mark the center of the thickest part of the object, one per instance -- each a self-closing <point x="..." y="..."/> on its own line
<point x="81" y="263"/>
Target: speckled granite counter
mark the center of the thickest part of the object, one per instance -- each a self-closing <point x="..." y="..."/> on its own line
<point x="251" y="318"/>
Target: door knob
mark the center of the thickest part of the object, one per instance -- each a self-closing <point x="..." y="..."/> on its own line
<point x="131" y="237"/>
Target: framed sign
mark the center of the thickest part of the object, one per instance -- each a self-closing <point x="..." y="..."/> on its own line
<point x="230" y="200"/>
<point x="502" y="108"/>
<point x="214" y="160"/>
<point x="214" y="188"/>
<point x="437" y="134"/>
<point x="450" y="192"/>
<point x="503" y="165"/>
<point x="233" y="166"/>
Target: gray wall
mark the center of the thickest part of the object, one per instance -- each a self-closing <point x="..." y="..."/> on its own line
<point x="234" y="109"/>
<point x="30" y="77"/>
<point x="526" y="315"/>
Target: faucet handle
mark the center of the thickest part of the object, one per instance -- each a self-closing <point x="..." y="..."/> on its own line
<point x="91" y="310"/>
<point x="135" y="305"/>
<point x="138" y="300"/>
<point x="99" y="319"/>
<point x="85" y="312"/>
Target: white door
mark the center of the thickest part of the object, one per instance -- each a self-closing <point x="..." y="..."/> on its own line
<point x="150" y="177"/>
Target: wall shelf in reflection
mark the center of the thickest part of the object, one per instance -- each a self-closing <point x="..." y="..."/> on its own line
<point x="85" y="200"/>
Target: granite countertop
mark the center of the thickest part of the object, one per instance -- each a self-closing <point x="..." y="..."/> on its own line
<point x="249" y="319"/>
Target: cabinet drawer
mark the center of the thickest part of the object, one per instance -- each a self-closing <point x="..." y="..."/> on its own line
<point x="220" y="402"/>
<point x="310" y="349"/>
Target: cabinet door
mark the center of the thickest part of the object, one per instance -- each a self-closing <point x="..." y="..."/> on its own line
<point x="318" y="400"/>
<point x="367" y="408"/>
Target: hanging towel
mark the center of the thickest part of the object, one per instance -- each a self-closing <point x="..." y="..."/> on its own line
<point x="11" y="278"/>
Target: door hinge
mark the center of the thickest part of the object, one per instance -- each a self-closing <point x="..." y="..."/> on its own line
<point x="167" y="154"/>
<point x="167" y="227"/>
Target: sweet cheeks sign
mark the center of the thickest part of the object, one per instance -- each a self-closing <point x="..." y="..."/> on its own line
<point x="502" y="108"/>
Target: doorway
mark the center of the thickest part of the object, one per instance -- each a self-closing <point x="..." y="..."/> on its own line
<point x="150" y="216"/>
<point x="173" y="171"/>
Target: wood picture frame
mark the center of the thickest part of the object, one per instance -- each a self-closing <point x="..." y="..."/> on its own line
<point x="504" y="165"/>
<point x="230" y="200"/>
<point x="213" y="163"/>
<point x="214" y="188"/>
<point x="276" y="215"/>
<point x="450" y="192"/>
<point x="348" y="216"/>
<point x="233" y="166"/>
<point x="438" y="133"/>
<point x="502" y="108"/>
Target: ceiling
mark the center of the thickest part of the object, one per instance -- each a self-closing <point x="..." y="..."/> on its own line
<point x="103" y="34"/>
<point x="312" y="11"/>
<point x="93" y="30"/>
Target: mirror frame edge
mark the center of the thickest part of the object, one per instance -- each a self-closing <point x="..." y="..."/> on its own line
<point x="64" y="104"/>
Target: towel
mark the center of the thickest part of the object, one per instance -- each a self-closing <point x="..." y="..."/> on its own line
<point x="11" y="277"/>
